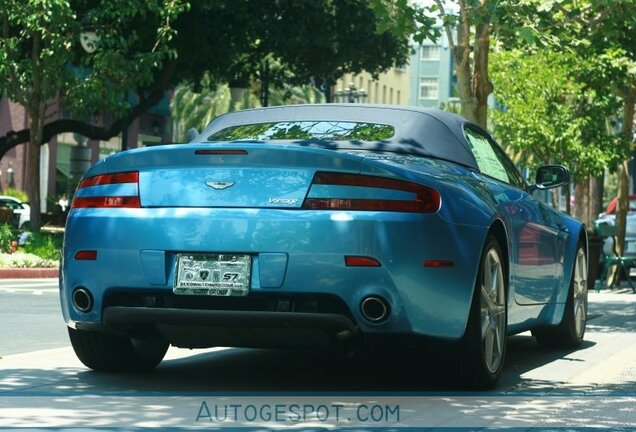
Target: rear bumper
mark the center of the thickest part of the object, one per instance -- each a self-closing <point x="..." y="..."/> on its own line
<point x="258" y="329"/>
<point x="294" y="252"/>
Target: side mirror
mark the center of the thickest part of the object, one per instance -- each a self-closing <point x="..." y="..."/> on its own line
<point x="551" y="176"/>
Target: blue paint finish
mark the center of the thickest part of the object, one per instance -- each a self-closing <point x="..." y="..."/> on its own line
<point x="117" y="189"/>
<point x="153" y="263"/>
<point x="248" y="187"/>
<point x="272" y="269"/>
<point x="314" y="265"/>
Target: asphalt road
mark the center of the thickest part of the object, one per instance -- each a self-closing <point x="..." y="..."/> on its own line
<point x="594" y="386"/>
<point x="30" y="316"/>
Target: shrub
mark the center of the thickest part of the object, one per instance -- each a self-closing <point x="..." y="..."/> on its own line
<point x="16" y="193"/>
<point x="45" y="245"/>
<point x="8" y="235"/>
<point x="25" y="260"/>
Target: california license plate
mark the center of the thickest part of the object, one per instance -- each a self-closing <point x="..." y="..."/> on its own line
<point x="213" y="274"/>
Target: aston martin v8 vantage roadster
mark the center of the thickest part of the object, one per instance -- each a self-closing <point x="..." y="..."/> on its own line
<point x="320" y="226"/>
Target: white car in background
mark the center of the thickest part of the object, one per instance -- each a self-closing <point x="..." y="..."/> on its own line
<point x="22" y="210"/>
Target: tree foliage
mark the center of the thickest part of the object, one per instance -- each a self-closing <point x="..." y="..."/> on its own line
<point x="40" y="58"/>
<point x="548" y="113"/>
<point x="148" y="46"/>
<point x="312" y="40"/>
<point x="469" y="26"/>
<point x="196" y="109"/>
<point x="596" y="29"/>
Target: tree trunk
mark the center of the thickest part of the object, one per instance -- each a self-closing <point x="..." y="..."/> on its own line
<point x="623" y="173"/>
<point x="582" y="201"/>
<point x="482" y="86"/>
<point x="473" y="83"/>
<point x="461" y="54"/>
<point x="33" y="168"/>
<point x="596" y="197"/>
<point x="555" y="198"/>
<point x="36" y="125"/>
<point x="265" y="84"/>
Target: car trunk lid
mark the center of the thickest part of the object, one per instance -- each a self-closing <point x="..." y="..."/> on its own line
<point x="244" y="175"/>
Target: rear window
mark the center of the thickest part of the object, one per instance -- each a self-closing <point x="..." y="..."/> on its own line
<point x="306" y="130"/>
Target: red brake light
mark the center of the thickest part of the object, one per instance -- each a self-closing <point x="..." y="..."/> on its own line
<point x="427" y="200"/>
<point x="104" y="179"/>
<point x="107" y="200"/>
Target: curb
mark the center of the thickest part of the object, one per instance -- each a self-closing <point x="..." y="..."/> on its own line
<point x="28" y="273"/>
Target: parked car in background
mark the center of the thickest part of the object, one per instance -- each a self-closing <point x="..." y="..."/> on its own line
<point x="311" y="226"/>
<point x="22" y="211"/>
<point x="609" y="217"/>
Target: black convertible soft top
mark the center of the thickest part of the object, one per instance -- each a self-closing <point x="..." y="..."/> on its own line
<point x="418" y="131"/>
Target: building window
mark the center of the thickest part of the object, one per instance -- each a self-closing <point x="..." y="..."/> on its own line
<point x="399" y="102"/>
<point x="429" y="52"/>
<point x="428" y="88"/>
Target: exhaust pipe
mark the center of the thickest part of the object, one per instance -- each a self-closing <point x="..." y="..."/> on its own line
<point x="375" y="309"/>
<point x="83" y="300"/>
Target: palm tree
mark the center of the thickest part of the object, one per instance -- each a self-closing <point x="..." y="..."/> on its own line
<point x="196" y="110"/>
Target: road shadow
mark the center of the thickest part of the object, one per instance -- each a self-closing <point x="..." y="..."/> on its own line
<point x="258" y="370"/>
<point x="433" y="369"/>
<point x="613" y="315"/>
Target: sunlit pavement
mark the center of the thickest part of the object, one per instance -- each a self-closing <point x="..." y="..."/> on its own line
<point x="594" y="386"/>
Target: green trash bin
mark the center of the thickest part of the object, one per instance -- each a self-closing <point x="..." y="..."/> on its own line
<point x="594" y="259"/>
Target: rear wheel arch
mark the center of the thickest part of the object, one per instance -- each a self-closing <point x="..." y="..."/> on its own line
<point x="498" y="230"/>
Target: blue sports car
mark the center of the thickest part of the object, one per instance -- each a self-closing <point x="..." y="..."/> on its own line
<point x="347" y="226"/>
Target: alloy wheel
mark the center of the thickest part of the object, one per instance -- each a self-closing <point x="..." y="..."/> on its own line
<point x="493" y="312"/>
<point x="579" y="293"/>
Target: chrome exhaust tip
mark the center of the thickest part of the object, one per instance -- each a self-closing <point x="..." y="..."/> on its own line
<point x="375" y="309"/>
<point x="82" y="300"/>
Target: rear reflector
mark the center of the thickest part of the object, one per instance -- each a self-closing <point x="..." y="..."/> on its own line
<point x="100" y="197"/>
<point x="361" y="261"/>
<point x="86" y="255"/>
<point x="108" y="201"/>
<point x="427" y="200"/>
<point x="438" y="263"/>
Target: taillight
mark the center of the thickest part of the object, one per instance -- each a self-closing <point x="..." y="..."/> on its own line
<point x="421" y="199"/>
<point x="109" y="190"/>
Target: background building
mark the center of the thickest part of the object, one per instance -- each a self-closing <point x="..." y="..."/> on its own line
<point x="391" y="87"/>
<point x="432" y="77"/>
<point x="67" y="156"/>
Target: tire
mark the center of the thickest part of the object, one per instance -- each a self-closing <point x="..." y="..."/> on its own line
<point x="570" y="332"/>
<point x="483" y="348"/>
<point x="104" y="352"/>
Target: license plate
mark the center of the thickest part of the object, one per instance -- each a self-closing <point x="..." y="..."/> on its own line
<point x="213" y="274"/>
